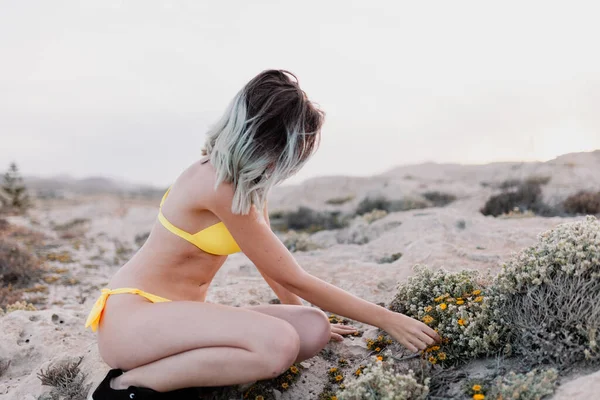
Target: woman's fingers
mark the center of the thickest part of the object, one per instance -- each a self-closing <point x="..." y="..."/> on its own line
<point x="336" y="337"/>
<point x="409" y="346"/>
<point x="432" y="334"/>
<point x="342" y="329"/>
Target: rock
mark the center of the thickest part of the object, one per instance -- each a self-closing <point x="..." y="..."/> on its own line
<point x="585" y="387"/>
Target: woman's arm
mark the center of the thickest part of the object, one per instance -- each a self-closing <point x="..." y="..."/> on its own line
<point x="262" y="246"/>
<point x="284" y="295"/>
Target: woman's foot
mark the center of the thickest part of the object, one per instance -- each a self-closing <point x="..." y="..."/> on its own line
<point x="109" y="389"/>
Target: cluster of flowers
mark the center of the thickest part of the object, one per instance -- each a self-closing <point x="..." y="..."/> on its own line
<point x="458" y="307"/>
<point x="549" y="294"/>
<point x="281" y="383"/>
<point x="533" y="385"/>
<point x="380" y="381"/>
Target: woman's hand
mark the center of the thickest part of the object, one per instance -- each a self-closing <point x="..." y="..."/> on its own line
<point x="412" y="334"/>
<point x="337" y="330"/>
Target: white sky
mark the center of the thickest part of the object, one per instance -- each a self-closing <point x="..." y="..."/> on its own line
<point x="127" y="88"/>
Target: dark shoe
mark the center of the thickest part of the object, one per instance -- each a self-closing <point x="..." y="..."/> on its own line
<point x="105" y="392"/>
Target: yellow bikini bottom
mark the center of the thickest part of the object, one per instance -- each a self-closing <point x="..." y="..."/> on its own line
<point x="96" y="314"/>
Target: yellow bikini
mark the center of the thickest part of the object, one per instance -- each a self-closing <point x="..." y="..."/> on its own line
<point x="215" y="239"/>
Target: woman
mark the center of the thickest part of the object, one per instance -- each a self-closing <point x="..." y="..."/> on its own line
<point x="153" y="322"/>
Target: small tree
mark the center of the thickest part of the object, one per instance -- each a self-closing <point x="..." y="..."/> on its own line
<point x="15" y="189"/>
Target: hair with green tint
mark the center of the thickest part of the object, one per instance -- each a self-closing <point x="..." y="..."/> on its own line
<point x="267" y="133"/>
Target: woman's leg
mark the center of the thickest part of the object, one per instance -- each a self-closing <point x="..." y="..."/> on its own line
<point x="311" y="324"/>
<point x="167" y="346"/>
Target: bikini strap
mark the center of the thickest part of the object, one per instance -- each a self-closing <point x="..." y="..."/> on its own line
<point x="165" y="197"/>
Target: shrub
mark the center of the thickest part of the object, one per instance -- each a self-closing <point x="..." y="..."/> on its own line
<point x="390" y="259"/>
<point x="380" y="381"/>
<point x="336" y="201"/>
<point x="66" y="379"/>
<point x="374" y="215"/>
<point x="531" y="386"/>
<point x="369" y="204"/>
<point x="295" y="241"/>
<point x="308" y="220"/>
<point x="439" y="199"/>
<point x="14" y="187"/>
<point x="528" y="196"/>
<point x="549" y="295"/>
<point x="17" y="267"/>
<point x="457" y="305"/>
<point x="583" y="203"/>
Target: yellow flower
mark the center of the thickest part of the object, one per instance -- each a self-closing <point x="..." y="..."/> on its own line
<point x="476" y="292"/>
<point x="285" y="385"/>
<point x="432" y="360"/>
<point x="332" y="370"/>
<point x="438" y="299"/>
<point x="441" y="356"/>
<point x="435" y="348"/>
<point x="358" y="372"/>
<point x="333" y="398"/>
<point x="461" y="322"/>
<point x="476" y="388"/>
<point x="379" y="358"/>
<point x="460" y="302"/>
<point x="428" y="319"/>
<point x="443" y="306"/>
<point x="428" y="309"/>
<point x="478" y="396"/>
<point x="478" y="299"/>
<point x="378" y="349"/>
<point x="380" y="338"/>
<point x="294" y="369"/>
<point x="339" y="378"/>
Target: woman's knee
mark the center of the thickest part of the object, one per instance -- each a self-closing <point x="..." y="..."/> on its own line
<point x="282" y="348"/>
<point x="320" y="328"/>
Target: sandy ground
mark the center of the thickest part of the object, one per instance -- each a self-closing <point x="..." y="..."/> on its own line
<point x="454" y="237"/>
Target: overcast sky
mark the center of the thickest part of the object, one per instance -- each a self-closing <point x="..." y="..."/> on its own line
<point x="127" y="88"/>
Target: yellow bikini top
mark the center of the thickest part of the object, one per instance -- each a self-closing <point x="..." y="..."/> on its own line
<point x="215" y="239"/>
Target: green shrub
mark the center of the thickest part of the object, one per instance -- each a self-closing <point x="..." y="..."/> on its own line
<point x="380" y="381"/>
<point x="13" y="186"/>
<point x="369" y="204"/>
<point x="549" y="296"/>
<point x="459" y="307"/>
<point x="534" y="385"/>
<point x="439" y="199"/>
<point x="583" y="203"/>
<point x="299" y="241"/>
<point x="309" y="220"/>
<point x="528" y="197"/>
<point x="390" y="259"/>
<point x="374" y="215"/>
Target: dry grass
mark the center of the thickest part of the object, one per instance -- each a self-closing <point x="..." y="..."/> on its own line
<point x="66" y="380"/>
<point x="17" y="267"/>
